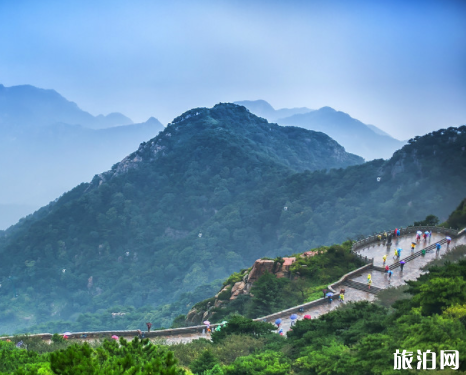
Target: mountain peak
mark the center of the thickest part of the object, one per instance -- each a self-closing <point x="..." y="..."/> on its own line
<point x="152" y="120"/>
<point x="264" y="109"/>
<point x="354" y="135"/>
<point x="260" y="106"/>
<point x="229" y="126"/>
<point x="328" y="109"/>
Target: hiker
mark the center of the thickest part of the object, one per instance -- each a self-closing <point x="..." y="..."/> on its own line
<point x="140" y="334"/>
<point x="418" y="237"/>
<point x="342" y="291"/>
<point x="325" y="292"/>
<point x="430" y="234"/>
<point x="402" y="264"/>
<point x="395" y="232"/>
<point x="424" y="236"/>
<point x="438" y="246"/>
<point x="448" y="240"/>
<point x="396" y="254"/>
<point x="387" y="268"/>
<point x="384" y="259"/>
<point x="379" y="237"/>
<point x="398" y="233"/>
<point x="342" y="297"/>
<point x="389" y="239"/>
<point x="413" y="245"/>
<point x="369" y="277"/>
<point x="399" y="252"/>
<point x="369" y="283"/>
<point x="149" y="325"/>
<point x="390" y="273"/>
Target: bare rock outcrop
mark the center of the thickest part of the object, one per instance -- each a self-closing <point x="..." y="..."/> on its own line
<point x="259" y="268"/>
<point x="280" y="268"/>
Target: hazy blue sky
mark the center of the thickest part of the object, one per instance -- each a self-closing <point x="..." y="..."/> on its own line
<point x="400" y="65"/>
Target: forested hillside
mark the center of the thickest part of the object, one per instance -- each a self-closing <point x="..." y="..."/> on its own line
<point x="216" y="190"/>
<point x="457" y="218"/>
<point x="178" y="213"/>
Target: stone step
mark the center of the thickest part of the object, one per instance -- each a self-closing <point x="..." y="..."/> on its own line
<point x="361" y="286"/>
<point x="417" y="254"/>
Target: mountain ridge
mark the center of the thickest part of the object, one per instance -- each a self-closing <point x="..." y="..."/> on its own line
<point x="263" y="109"/>
<point x="33" y="106"/>
<point x="354" y="135"/>
<point x="78" y="146"/>
<point x="361" y="139"/>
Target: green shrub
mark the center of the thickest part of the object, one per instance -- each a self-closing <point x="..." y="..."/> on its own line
<point x="225" y="295"/>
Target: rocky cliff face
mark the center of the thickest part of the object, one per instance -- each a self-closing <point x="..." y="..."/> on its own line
<point x="280" y="267"/>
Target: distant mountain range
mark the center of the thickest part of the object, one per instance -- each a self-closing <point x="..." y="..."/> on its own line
<point x="48" y="145"/>
<point x="358" y="138"/>
<point x="217" y="189"/>
<point x="264" y="109"/>
<point x="32" y="106"/>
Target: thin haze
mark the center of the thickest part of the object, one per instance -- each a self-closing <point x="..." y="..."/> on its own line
<point x="399" y="65"/>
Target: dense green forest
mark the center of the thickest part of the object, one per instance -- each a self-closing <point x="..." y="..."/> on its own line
<point x="269" y="294"/>
<point x="357" y="338"/>
<point x="216" y="190"/>
<point x="457" y="218"/>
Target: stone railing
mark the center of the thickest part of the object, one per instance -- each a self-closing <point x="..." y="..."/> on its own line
<point x="292" y="310"/>
<point x="161" y="333"/>
<point x="350" y="274"/>
<point x="375" y="238"/>
<point x="364" y="258"/>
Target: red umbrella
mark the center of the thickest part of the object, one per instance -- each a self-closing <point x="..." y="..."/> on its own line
<point x="307" y="316"/>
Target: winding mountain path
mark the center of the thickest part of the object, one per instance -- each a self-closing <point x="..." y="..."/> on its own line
<point x="354" y="283"/>
<point x="412" y="270"/>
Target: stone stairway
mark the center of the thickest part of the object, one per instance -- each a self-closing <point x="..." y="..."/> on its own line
<point x="417" y="254"/>
<point x="360" y="286"/>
